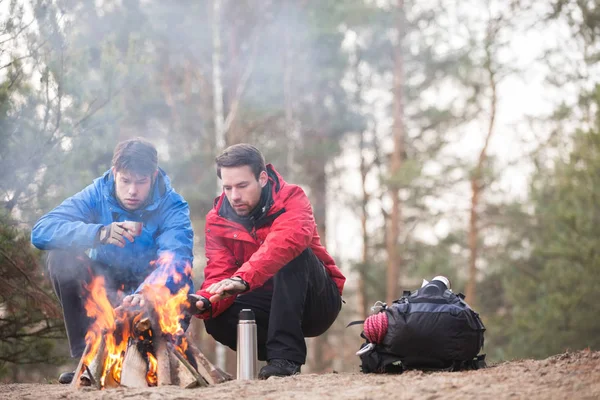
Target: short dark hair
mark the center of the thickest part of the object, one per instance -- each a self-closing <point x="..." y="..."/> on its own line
<point x="239" y="155"/>
<point x="135" y="155"/>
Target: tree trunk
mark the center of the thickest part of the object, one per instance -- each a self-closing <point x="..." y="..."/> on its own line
<point x="361" y="293"/>
<point x="290" y="128"/>
<point x="473" y="236"/>
<point x="233" y="133"/>
<point x="476" y="179"/>
<point x="394" y="267"/>
<point x="319" y="195"/>
<point x="218" y="121"/>
<point x="217" y="80"/>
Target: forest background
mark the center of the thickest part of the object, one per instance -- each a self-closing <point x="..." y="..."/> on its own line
<point x="433" y="137"/>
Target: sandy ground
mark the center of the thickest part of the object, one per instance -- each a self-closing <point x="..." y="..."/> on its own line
<point x="569" y="375"/>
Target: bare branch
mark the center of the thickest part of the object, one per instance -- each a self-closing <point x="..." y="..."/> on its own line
<point x="14" y="36"/>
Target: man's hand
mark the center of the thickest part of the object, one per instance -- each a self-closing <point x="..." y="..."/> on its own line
<point x="133" y="300"/>
<point x="116" y="233"/>
<point x="198" y="304"/>
<point x="227" y="287"/>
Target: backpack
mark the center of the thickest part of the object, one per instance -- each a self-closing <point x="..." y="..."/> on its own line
<point x="428" y="329"/>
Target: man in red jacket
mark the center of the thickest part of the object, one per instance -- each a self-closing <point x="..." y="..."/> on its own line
<point x="264" y="253"/>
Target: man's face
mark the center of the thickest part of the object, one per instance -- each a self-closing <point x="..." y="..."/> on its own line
<point x="242" y="188"/>
<point x="131" y="189"/>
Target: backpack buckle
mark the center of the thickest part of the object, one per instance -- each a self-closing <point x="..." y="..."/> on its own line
<point x="378" y="307"/>
<point x="369" y="347"/>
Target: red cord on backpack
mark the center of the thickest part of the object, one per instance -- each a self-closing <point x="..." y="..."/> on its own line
<point x="375" y="327"/>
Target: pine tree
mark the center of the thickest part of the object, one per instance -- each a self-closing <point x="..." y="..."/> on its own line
<point x="554" y="303"/>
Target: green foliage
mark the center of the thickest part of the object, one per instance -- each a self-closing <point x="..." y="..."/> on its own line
<point x="584" y="18"/>
<point x="29" y="315"/>
<point x="554" y="306"/>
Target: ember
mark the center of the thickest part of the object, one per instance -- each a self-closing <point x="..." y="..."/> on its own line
<point x="140" y="347"/>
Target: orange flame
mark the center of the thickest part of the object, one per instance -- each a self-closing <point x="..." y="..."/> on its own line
<point x="151" y="376"/>
<point x="99" y="308"/>
<point x="116" y="329"/>
<point x="168" y="307"/>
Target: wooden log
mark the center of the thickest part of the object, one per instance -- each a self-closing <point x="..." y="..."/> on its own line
<point x="185" y="374"/>
<point x="135" y="367"/>
<point x="211" y="373"/>
<point x="96" y="367"/>
<point x="109" y="381"/>
<point x="173" y="367"/>
<point x="180" y="374"/>
<point x="90" y="375"/>
<point x="87" y="379"/>
<point x="142" y="325"/>
<point x="80" y="368"/>
<point x="163" y="360"/>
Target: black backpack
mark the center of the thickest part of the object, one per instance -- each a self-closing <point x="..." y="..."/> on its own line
<point x="429" y="329"/>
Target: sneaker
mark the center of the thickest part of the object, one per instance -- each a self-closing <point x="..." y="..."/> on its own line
<point x="279" y="367"/>
<point x="66" y="377"/>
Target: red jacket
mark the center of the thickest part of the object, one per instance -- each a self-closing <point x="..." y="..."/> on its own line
<point x="256" y="256"/>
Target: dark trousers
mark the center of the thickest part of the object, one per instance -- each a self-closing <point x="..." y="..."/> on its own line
<point x="69" y="272"/>
<point x="302" y="302"/>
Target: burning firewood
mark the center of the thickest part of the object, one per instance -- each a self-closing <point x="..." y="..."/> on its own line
<point x="182" y="375"/>
<point x="211" y="373"/>
<point x="163" y="359"/>
<point x="135" y="367"/>
<point x="187" y="375"/>
<point x="88" y="375"/>
<point x="142" y="346"/>
<point x="149" y="359"/>
<point x="81" y="368"/>
<point x="96" y="367"/>
<point x="110" y="382"/>
<point x="142" y="326"/>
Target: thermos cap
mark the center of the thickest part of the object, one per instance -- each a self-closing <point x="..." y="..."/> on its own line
<point x="443" y="279"/>
<point x="247" y="315"/>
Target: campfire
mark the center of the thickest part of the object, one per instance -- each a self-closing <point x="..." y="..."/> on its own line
<point x="142" y="346"/>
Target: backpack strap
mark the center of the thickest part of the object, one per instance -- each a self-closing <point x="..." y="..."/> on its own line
<point x="476" y="363"/>
<point x="357" y="322"/>
<point x="480" y="362"/>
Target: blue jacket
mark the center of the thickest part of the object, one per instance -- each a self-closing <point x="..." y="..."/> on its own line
<point x="75" y="223"/>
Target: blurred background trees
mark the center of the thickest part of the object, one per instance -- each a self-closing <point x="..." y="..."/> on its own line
<point x="439" y="137"/>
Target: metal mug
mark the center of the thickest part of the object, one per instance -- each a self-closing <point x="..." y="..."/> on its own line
<point x="133" y="227"/>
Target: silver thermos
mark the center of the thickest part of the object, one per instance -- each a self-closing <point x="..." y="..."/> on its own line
<point x="246" y="346"/>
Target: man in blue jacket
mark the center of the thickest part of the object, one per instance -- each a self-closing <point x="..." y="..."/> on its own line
<point x="94" y="233"/>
